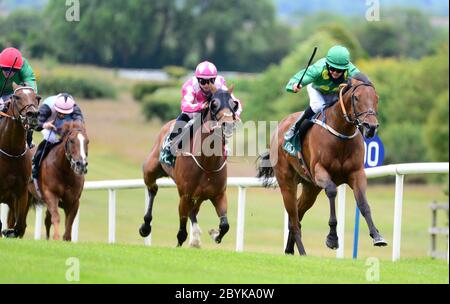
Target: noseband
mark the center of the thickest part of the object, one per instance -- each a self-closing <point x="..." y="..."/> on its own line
<point x="67" y="144"/>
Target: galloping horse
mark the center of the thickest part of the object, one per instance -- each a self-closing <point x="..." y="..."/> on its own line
<point x="61" y="178"/>
<point x="200" y="177"/>
<point x="334" y="153"/>
<point x="15" y="157"/>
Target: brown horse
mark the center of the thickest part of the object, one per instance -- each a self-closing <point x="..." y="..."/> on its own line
<point x="15" y="157"/>
<point x="198" y="177"/>
<point x="61" y="178"/>
<point x="332" y="159"/>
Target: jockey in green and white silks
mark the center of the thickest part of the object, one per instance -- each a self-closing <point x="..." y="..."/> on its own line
<point x="322" y="81"/>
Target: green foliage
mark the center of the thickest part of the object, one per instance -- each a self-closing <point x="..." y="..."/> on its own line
<point x="78" y="87"/>
<point x="268" y="99"/>
<point x="141" y="89"/>
<point x="175" y="72"/>
<point x="403" y="143"/>
<point x="436" y="129"/>
<point x="238" y="34"/>
<point x="403" y="32"/>
<point x="164" y="104"/>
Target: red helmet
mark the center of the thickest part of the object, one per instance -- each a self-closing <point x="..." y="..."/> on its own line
<point x="8" y="56"/>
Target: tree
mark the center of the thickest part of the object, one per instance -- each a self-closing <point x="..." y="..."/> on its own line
<point x="436" y="129"/>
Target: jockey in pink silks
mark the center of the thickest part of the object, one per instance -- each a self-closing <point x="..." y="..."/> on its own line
<point x="195" y="96"/>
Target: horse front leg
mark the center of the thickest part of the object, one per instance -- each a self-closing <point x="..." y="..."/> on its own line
<point x="52" y="207"/>
<point x="195" y="231"/>
<point x="288" y="189"/>
<point x="358" y="183"/>
<point x="17" y="217"/>
<point x="323" y="180"/>
<point x="146" y="227"/>
<point x="71" y="212"/>
<point x="183" y="210"/>
<point x="221" y="204"/>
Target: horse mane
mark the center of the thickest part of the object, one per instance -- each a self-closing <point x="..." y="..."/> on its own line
<point x="70" y="125"/>
<point x="361" y="77"/>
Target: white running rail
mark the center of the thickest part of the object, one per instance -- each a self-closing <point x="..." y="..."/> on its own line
<point x="399" y="171"/>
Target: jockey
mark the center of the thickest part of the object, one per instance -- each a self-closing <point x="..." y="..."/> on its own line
<point x="54" y="111"/>
<point x="195" y="96"/>
<point x="15" y="68"/>
<point x="322" y="81"/>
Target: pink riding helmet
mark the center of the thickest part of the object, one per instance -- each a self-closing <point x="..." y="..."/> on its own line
<point x="206" y="70"/>
<point x="64" y="103"/>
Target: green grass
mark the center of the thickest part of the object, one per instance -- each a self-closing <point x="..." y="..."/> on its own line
<point x="45" y="262"/>
<point x="263" y="219"/>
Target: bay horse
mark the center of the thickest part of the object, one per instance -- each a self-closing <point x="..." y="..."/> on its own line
<point x="333" y="152"/>
<point x="15" y="157"/>
<point x="198" y="177"/>
<point x="61" y="178"/>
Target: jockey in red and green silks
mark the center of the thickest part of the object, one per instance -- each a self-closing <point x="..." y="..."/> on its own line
<point x="322" y="81"/>
<point x="12" y="63"/>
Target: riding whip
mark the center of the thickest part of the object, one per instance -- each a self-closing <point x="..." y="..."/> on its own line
<point x="309" y="63"/>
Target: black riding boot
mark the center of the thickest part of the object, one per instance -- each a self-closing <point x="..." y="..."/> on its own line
<point x="30" y="139"/>
<point x="307" y="114"/>
<point x="37" y="159"/>
<point x="180" y="123"/>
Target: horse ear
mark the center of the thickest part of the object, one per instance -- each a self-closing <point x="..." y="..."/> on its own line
<point x="213" y="88"/>
<point x="15" y="86"/>
<point x="230" y="90"/>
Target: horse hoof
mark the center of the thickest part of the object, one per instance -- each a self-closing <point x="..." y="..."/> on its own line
<point x="214" y="234"/>
<point x="9" y="233"/>
<point x="195" y="244"/>
<point x="145" y="230"/>
<point x="379" y="242"/>
<point x="332" y="243"/>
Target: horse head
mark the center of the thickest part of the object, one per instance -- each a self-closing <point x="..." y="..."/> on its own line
<point x="76" y="142"/>
<point x="362" y="100"/>
<point x="222" y="108"/>
<point x="25" y="106"/>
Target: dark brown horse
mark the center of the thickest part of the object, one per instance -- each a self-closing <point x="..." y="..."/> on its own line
<point x="15" y="157"/>
<point x="198" y="174"/>
<point x="61" y="178"/>
<point x="332" y="159"/>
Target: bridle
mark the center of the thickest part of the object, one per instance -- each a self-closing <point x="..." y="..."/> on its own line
<point x="67" y="146"/>
<point x="211" y="130"/>
<point x="354" y="118"/>
<point x="21" y="118"/>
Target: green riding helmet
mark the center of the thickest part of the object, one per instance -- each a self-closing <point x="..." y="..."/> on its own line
<point x="338" y="57"/>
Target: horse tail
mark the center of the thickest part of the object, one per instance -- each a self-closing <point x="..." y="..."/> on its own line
<point x="265" y="170"/>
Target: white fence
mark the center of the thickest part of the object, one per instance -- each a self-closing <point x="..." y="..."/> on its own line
<point x="399" y="171"/>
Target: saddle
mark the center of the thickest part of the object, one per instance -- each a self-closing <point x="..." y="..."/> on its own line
<point x="168" y="158"/>
<point x="294" y="147"/>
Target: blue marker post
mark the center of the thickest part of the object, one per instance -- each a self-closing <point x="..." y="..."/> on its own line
<point x="373" y="157"/>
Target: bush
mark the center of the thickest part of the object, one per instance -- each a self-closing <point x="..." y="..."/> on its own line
<point x="164" y="104"/>
<point x="142" y="89"/>
<point x="78" y="87"/>
<point x="175" y="72"/>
